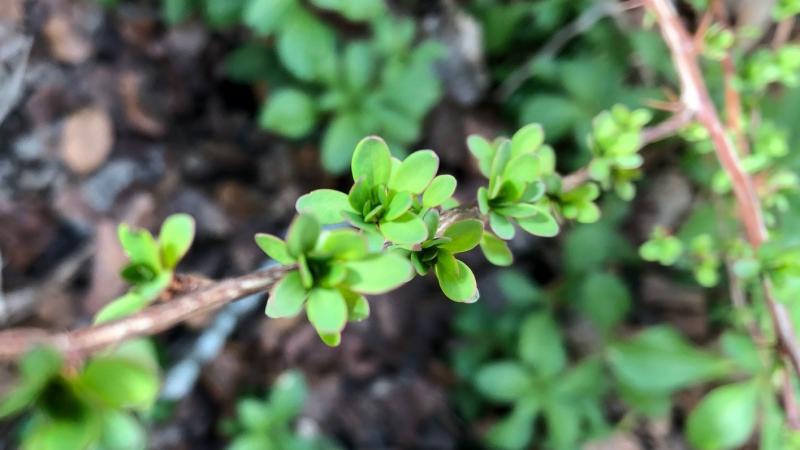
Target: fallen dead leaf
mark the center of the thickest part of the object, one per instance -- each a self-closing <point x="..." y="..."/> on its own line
<point x="86" y="140"/>
<point x="67" y="43"/>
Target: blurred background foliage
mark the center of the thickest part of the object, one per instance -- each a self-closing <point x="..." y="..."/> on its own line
<point x="609" y="337"/>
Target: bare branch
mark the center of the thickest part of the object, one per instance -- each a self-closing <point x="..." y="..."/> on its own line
<point x="154" y="319"/>
<point x="696" y="98"/>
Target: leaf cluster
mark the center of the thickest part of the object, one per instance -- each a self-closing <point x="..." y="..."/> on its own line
<point x="151" y="265"/>
<point x="91" y="408"/>
<point x="266" y="424"/>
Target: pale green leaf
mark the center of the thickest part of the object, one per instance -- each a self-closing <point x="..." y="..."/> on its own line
<point x="286" y="298"/>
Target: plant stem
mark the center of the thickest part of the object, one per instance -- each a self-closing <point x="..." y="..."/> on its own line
<point x="697" y="100"/>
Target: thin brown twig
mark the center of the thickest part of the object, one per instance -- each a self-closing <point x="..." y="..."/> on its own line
<point x="205" y="296"/>
<point x="697" y="99"/>
<point x="154" y="319"/>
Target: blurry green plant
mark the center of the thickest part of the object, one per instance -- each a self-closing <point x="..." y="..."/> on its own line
<point x="384" y="85"/>
<point x="151" y="265"/>
<point x="91" y="407"/>
<point x="266" y="424"/>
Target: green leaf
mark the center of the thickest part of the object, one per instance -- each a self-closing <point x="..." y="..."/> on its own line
<point x="51" y="434"/>
<point x="306" y="47"/>
<point x="287" y="297"/>
<point x="379" y="274"/>
<point x="483" y="151"/>
<point x="359" y="66"/>
<point x="495" y="250"/>
<point x="527" y="140"/>
<point x="275" y="248"/>
<point x="343" y="244"/>
<point x="725" y="418"/>
<point x="455" y="279"/>
<point x="37" y="367"/>
<point x="659" y="360"/>
<point x="175" y="238"/>
<point x="289" y="393"/>
<point x="465" y="235"/>
<point x="303" y="234"/>
<point x="120" y="382"/>
<point x="140" y="246"/>
<point x="401" y="202"/>
<point x="289" y="112"/>
<point x="501" y="226"/>
<point x="515" y="431"/>
<point x="372" y="161"/>
<point x="415" y="172"/>
<point x="327" y="310"/>
<point x="523" y="169"/>
<point x="338" y="142"/>
<point x="265" y="16"/>
<point x="503" y="381"/>
<point x="540" y="344"/>
<point x="441" y="188"/>
<point x="406" y="230"/>
<point x="542" y="224"/>
<point x="122" y="431"/>
<point x="357" y="307"/>
<point x="127" y="304"/>
<point x="604" y="299"/>
<point x="330" y="339"/>
<point x="325" y="204"/>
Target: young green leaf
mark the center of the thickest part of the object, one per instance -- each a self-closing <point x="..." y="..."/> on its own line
<point x="541" y="224"/>
<point x="372" y="161"/>
<point x="140" y="246"/>
<point x="175" y="238"/>
<point x="541" y="346"/>
<point x="303" y="234"/>
<point x="441" y="188"/>
<point x="725" y="418"/>
<point x="327" y="310"/>
<point x="415" y="172"/>
<point x="398" y="206"/>
<point x="455" y="279"/>
<point x="275" y="248"/>
<point x="344" y="244"/>
<point x="406" y="230"/>
<point x="465" y="235"/>
<point x="120" y="382"/>
<point x="324" y="204"/>
<point x="503" y="381"/>
<point x="501" y="226"/>
<point x="379" y="274"/>
<point x="289" y="112"/>
<point x="287" y="297"/>
<point x="496" y="250"/>
<point x="527" y="140"/>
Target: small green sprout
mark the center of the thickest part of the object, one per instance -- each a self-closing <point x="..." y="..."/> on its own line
<point x="455" y="278"/>
<point x="516" y="169"/>
<point x="579" y="203"/>
<point x="389" y="195"/>
<point x="266" y="424"/>
<point x="88" y="409"/>
<point x="332" y="270"/>
<point x="615" y="142"/>
<point x="151" y="264"/>
<point x="662" y="248"/>
<point x="705" y="260"/>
